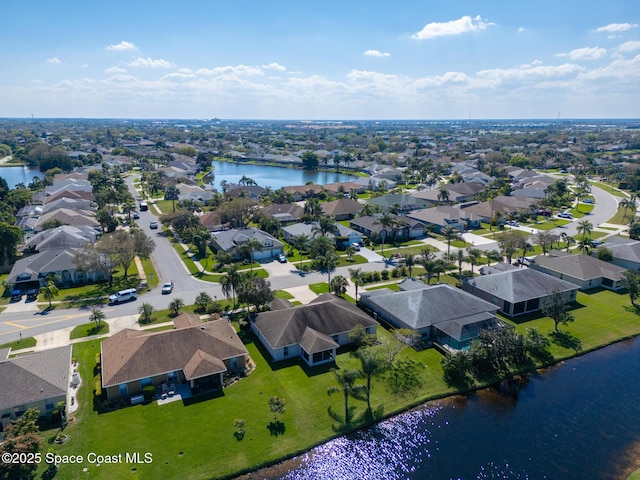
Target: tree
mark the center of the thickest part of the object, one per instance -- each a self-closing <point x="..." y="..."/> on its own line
<point x="355" y="274"/>
<point x="143" y="245"/>
<point x="326" y="225"/>
<point x="350" y="251"/>
<point x="300" y="242"/>
<point x="585" y="245"/>
<point x="175" y="305"/>
<point x="11" y="237"/>
<point x="253" y="244"/>
<point x="202" y="302"/>
<point x="634" y="230"/>
<point x="276" y="405"/>
<point x="627" y="204"/>
<point x="312" y="209"/>
<point x="255" y="291"/>
<point x="172" y="193"/>
<point x="450" y="233"/>
<point x="584" y="227"/>
<point x="604" y="254"/>
<point x="568" y="239"/>
<point x="372" y="363"/>
<point x="146" y="313"/>
<point x="120" y="245"/>
<point x="473" y="257"/>
<point x="409" y="261"/>
<point x="631" y="281"/>
<point x="50" y="291"/>
<point x="107" y="221"/>
<point x="545" y="240"/>
<point x="310" y="160"/>
<point x="128" y="207"/>
<point x="403" y="377"/>
<point x="430" y="268"/>
<point x="339" y="285"/>
<point x="328" y="262"/>
<point x="388" y="223"/>
<point x="443" y="195"/>
<point x="556" y="308"/>
<point x="97" y="315"/>
<point x="509" y="243"/>
<point x="21" y="438"/>
<point x="347" y="386"/>
<point x="230" y="283"/>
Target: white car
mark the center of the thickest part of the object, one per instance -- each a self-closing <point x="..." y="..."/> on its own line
<point x="356" y="246"/>
<point x="167" y="288"/>
<point x="153" y="225"/>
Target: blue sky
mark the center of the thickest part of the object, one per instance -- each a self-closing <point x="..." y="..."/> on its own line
<point x="321" y="60"/>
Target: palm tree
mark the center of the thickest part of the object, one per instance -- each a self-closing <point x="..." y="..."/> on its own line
<point x="300" y="242"/>
<point x="443" y="195"/>
<point x="253" y="244"/>
<point x="473" y="256"/>
<point x="50" y="290"/>
<point x="450" y="233"/>
<point x="627" y="204"/>
<point x="329" y="261"/>
<point x="430" y="268"/>
<point x="386" y="221"/>
<point x="128" y="207"/>
<point x="372" y="362"/>
<point x="230" y="283"/>
<point x="326" y="225"/>
<point x="355" y="274"/>
<point x="171" y="193"/>
<point x="312" y="209"/>
<point x="584" y="227"/>
<point x="568" y="240"/>
<point x="339" y="285"/>
<point x="175" y="305"/>
<point x="146" y="311"/>
<point x="585" y="245"/>
<point x="347" y="381"/>
<point x="494" y="255"/>
<point x="97" y="315"/>
<point x="409" y="261"/>
<point x="526" y="247"/>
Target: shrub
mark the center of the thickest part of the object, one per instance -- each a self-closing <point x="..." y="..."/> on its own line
<point x="149" y="391"/>
<point x="385" y="275"/>
<point x="394" y="273"/>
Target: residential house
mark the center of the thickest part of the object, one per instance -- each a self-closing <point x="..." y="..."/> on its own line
<point x="350" y="188"/>
<point x="300" y="192"/>
<point x="458" y="192"/>
<point x="254" y="192"/>
<point x="76" y="218"/>
<point x="283" y="212"/>
<point x="520" y="291"/>
<point x="312" y="332"/>
<point x="196" y="353"/>
<point x="342" y="208"/>
<point x="36" y="380"/>
<point x="64" y="236"/>
<point x="213" y="221"/>
<point x="626" y="252"/>
<point x="229" y="240"/>
<point x="443" y="216"/>
<point x="346" y="236"/>
<point x="400" y="202"/>
<point x="582" y="270"/>
<point x="406" y="227"/>
<point x="503" y="205"/>
<point x="32" y="271"/>
<point x="440" y="313"/>
<point x="69" y="204"/>
<point x="194" y="193"/>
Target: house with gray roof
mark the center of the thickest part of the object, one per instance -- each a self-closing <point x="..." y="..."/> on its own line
<point x="37" y="380"/>
<point x="346" y="236"/>
<point x="283" y="212"/>
<point x="64" y="236"/>
<point x="195" y="353"/>
<point x="342" y="208"/>
<point x="520" y="291"/>
<point x="312" y="332"/>
<point x="229" y="240"/>
<point x="626" y="252"/>
<point x="402" y="202"/>
<point x="370" y="226"/>
<point x="32" y="271"/>
<point x="440" y="313"/>
<point x="68" y="217"/>
<point x="582" y="270"/>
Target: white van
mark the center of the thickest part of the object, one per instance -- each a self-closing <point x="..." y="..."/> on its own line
<point x="126" y="295"/>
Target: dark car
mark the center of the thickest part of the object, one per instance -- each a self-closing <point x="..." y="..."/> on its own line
<point x="32" y="294"/>
<point x="281" y="258"/>
<point x="16" y="295"/>
<point x="136" y="215"/>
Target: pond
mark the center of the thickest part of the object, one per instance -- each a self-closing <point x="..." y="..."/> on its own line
<point x="274" y="176"/>
<point x="577" y="420"/>
<point x="16" y="175"/>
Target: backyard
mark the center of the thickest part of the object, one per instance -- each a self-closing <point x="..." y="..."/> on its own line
<point x="196" y="439"/>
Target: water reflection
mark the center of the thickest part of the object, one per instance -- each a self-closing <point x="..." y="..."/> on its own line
<point x="579" y="420"/>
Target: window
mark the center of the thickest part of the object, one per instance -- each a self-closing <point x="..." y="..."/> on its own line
<point x="285" y="351"/>
<point x="48" y="404"/>
<point x="123" y="390"/>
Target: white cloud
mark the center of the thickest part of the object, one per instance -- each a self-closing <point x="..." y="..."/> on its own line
<point x="122" y="46"/>
<point x="376" y="53"/>
<point x="238" y="70"/>
<point x="115" y="69"/>
<point x="150" y="63"/>
<point x="439" y="80"/>
<point x="178" y="77"/>
<point x="616" y="27"/>
<point x="274" y="66"/>
<point x="521" y="29"/>
<point x="586" y="53"/>
<point x="630" y="46"/>
<point x="54" y="60"/>
<point x="524" y="72"/>
<point x="453" y="27"/>
<point x="623" y="69"/>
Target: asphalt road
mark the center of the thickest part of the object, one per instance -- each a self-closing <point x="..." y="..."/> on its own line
<point x="170" y="267"/>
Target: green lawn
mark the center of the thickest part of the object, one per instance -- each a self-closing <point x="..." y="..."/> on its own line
<point x="196" y="440"/>
<point x="619" y="218"/>
<point x="89" y="329"/>
<point x="391" y="286"/>
<point x="608" y="188"/>
<point x="550" y="224"/>
<point x="283" y="294"/>
<point x="28" y="342"/>
<point x="319" y="288"/>
<point x="581" y="210"/>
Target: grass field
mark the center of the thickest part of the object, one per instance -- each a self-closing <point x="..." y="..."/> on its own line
<point x="89" y="329"/>
<point x="28" y="342"/>
<point x="196" y="440"/>
<point x="619" y="218"/>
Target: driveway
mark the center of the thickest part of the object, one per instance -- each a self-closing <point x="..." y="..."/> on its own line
<point x="370" y="255"/>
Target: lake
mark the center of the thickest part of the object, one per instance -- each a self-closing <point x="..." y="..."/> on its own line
<point x="577" y="420"/>
<point x="16" y="175"/>
<point x="273" y="176"/>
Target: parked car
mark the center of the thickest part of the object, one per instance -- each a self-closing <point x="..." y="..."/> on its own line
<point x="16" y="295"/>
<point x="126" y="295"/>
<point x="588" y="200"/>
<point x="167" y="288"/>
<point x="281" y="258"/>
<point x="565" y="215"/>
<point x="597" y="243"/>
<point x="153" y="225"/>
<point x="356" y="246"/>
<point x="513" y="223"/>
<point x="32" y="294"/>
<point x="136" y="215"/>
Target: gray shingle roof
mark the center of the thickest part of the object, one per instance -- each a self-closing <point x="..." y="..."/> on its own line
<point x="520" y="285"/>
<point x="418" y="309"/>
<point x="34" y="377"/>
<point x="327" y="314"/>
<point x="582" y="267"/>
